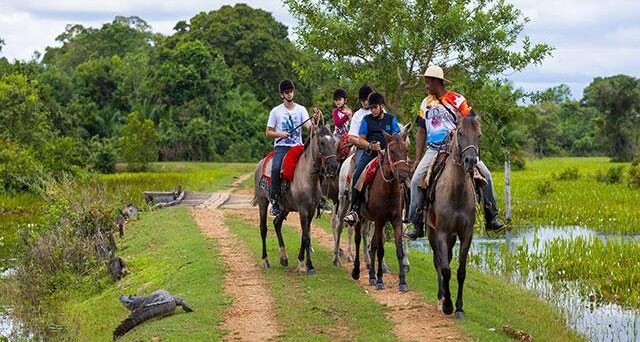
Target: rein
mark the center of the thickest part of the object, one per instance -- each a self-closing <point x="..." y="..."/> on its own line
<point x="391" y="164"/>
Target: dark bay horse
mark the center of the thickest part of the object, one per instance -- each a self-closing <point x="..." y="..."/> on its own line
<point x="318" y="160"/>
<point x="385" y="204"/>
<point x="453" y="211"/>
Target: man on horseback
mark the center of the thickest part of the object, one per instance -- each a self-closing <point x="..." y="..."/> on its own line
<point x="371" y="135"/>
<point x="437" y="116"/>
<point x="284" y="126"/>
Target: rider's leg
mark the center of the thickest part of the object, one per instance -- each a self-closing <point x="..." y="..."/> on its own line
<point x="352" y="217"/>
<point x="274" y="190"/>
<point x="489" y="201"/>
<point x="417" y="194"/>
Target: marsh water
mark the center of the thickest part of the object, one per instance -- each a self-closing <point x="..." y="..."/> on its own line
<point x="596" y="321"/>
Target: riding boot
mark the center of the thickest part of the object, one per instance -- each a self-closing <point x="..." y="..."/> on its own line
<point x="491" y="211"/>
<point x="275" y="206"/>
<point x="352" y="217"/>
<point x="418" y="228"/>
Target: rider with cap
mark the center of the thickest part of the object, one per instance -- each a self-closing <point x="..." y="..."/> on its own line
<point x="371" y="135"/>
<point x="283" y="126"/>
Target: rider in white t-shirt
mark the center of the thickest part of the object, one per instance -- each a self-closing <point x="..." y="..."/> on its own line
<point x="283" y="126"/>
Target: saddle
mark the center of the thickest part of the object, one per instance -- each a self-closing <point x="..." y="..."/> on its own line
<point x="343" y="148"/>
<point x="430" y="180"/>
<point x="288" y="166"/>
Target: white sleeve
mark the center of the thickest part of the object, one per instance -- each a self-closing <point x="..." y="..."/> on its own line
<point x="304" y="114"/>
<point x="354" y="128"/>
<point x="273" y="119"/>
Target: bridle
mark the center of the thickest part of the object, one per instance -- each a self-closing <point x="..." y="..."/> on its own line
<point x="322" y="169"/>
<point x="457" y="158"/>
<point x="392" y="164"/>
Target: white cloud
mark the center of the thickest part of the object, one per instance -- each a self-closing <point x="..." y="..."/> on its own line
<point x="592" y="38"/>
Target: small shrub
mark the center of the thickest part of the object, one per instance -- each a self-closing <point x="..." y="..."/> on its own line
<point x="636" y="160"/>
<point x="544" y="188"/>
<point x="569" y="174"/>
<point x="634" y="176"/>
<point x="612" y="176"/>
<point x="103" y="156"/>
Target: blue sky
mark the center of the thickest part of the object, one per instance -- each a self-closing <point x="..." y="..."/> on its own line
<point x="591" y="38"/>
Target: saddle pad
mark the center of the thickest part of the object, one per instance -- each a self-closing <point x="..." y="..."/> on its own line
<point x="366" y="178"/>
<point x="288" y="164"/>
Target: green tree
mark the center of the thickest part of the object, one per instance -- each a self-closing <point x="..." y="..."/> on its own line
<point x="617" y="99"/>
<point x="253" y="44"/>
<point x="138" y="142"/>
<point x="544" y="124"/>
<point x="23" y="118"/>
<point x="390" y="42"/>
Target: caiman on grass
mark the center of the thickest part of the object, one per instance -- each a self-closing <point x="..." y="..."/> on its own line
<point x="157" y="304"/>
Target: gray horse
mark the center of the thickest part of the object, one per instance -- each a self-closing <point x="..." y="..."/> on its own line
<point x="453" y="211"/>
<point x="318" y="160"/>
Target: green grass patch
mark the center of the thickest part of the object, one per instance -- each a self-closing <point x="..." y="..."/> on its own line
<point x="165" y="176"/>
<point x="164" y="250"/>
<point x="581" y="201"/>
<point x="324" y="307"/>
<point x="489" y="302"/>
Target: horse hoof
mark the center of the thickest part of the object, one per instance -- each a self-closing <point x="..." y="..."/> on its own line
<point x="404" y="287"/>
<point x="458" y="315"/>
<point x="266" y="264"/>
<point x="447" y="307"/>
<point x="355" y="274"/>
<point x="380" y="286"/>
<point x="372" y="281"/>
<point x="311" y="272"/>
<point x="284" y="262"/>
<point x="336" y="262"/>
<point x="406" y="268"/>
<point x="341" y="253"/>
<point x="349" y="258"/>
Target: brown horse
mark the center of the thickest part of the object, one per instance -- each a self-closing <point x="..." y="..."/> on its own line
<point x="453" y="211"/>
<point x="385" y="204"/>
<point x="317" y="160"/>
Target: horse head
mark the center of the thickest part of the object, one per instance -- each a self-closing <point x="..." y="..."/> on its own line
<point x="396" y="154"/>
<point x="323" y="145"/>
<point x="465" y="142"/>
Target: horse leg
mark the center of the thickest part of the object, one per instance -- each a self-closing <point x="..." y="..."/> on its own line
<point x="442" y="244"/>
<point x="277" y="223"/>
<point x="337" y="231"/>
<point x="305" y="222"/>
<point x="373" y="247"/>
<point x="263" y="205"/>
<point x="397" y="230"/>
<point x="433" y="244"/>
<point x="405" y="252"/>
<point x="378" y="236"/>
<point x="366" y="229"/>
<point x="355" y="273"/>
<point x="465" y="243"/>
<point x="350" y="243"/>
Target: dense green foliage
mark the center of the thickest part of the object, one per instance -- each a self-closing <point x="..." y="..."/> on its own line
<point x="207" y="88"/>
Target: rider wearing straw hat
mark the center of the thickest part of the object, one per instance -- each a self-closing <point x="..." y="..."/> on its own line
<point x="436" y="117"/>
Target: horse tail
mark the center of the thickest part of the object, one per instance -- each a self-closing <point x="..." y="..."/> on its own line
<point x="256" y="185"/>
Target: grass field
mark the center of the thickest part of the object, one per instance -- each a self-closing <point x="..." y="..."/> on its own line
<point x="584" y="202"/>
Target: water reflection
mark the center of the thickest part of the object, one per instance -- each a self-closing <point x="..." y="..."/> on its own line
<point x="596" y="321"/>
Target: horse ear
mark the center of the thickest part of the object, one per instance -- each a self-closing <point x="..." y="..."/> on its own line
<point x="406" y="129"/>
<point x="388" y="137"/>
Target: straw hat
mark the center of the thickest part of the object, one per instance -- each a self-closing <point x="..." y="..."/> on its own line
<point x="435" y="72"/>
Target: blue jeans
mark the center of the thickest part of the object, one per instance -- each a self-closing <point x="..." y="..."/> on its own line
<point x="278" y="156"/>
<point x="365" y="158"/>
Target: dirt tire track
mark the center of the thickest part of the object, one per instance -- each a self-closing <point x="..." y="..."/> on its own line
<point x="413" y="318"/>
<point x="252" y="316"/>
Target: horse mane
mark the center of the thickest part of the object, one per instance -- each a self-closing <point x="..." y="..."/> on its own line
<point x="469" y="124"/>
<point x="323" y="130"/>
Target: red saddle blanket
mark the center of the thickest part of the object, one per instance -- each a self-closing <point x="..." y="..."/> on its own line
<point x="288" y="163"/>
<point x="368" y="174"/>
